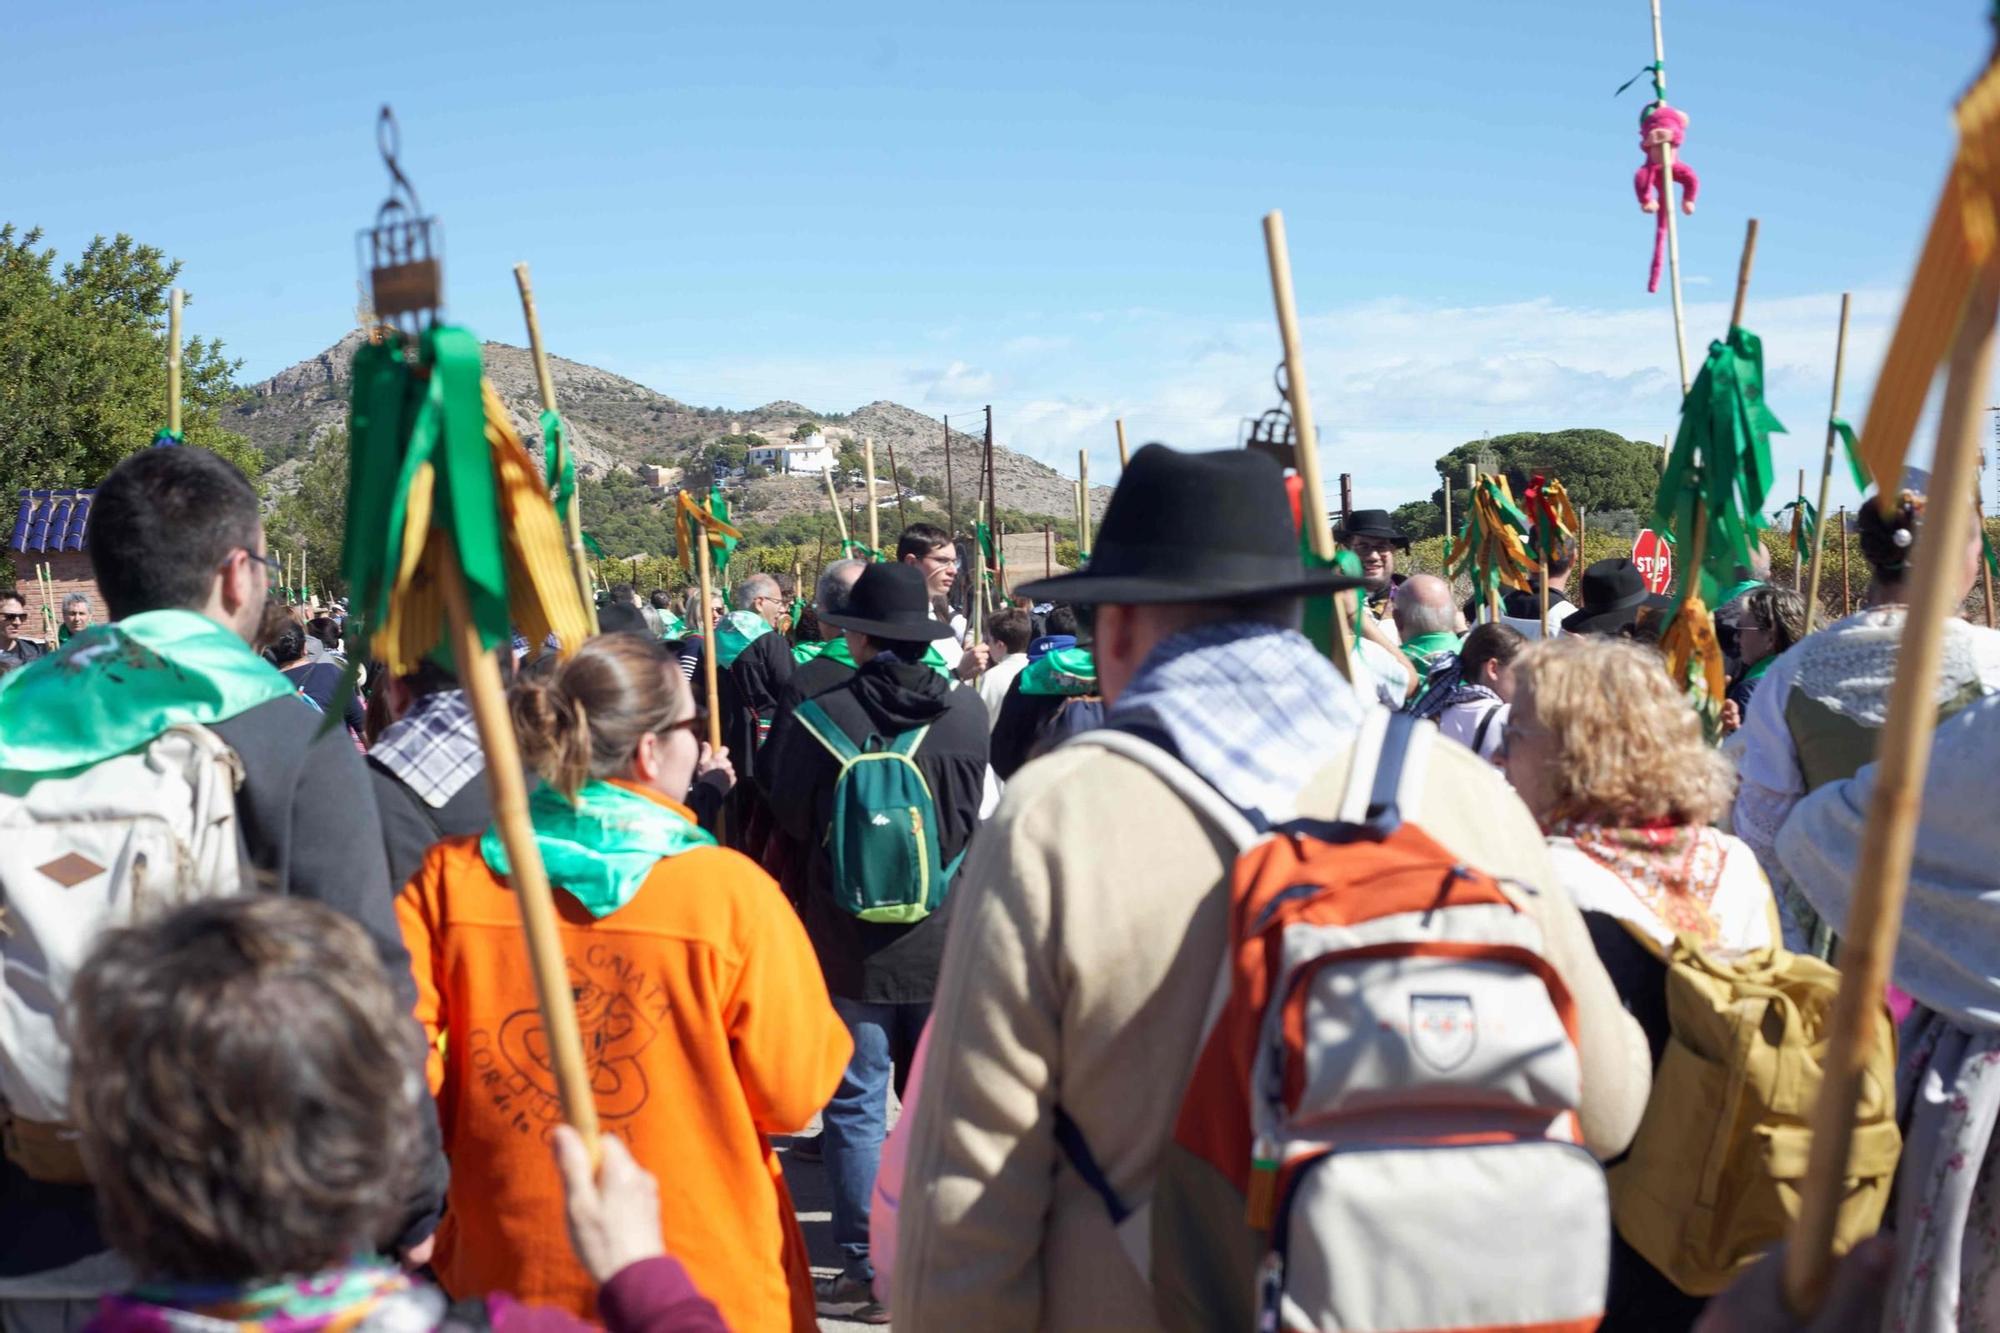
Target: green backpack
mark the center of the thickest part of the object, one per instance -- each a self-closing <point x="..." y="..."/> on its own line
<point x="883" y="837"/>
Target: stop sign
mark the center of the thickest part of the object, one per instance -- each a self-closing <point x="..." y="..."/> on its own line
<point x="1655" y="559"/>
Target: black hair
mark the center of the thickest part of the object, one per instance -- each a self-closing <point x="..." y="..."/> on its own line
<point x="288" y="645"/>
<point x="622" y="594"/>
<point x="906" y="650"/>
<point x="162" y="524"/>
<point x="1491" y="642"/>
<point x="1888" y="541"/>
<point x="662" y="600"/>
<point x="1061" y="620"/>
<point x="920" y="539"/>
<point x="327" y="630"/>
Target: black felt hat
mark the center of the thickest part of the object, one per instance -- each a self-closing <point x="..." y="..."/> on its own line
<point x="1614" y="592"/>
<point x="1370" y="523"/>
<point x="1197" y="527"/>
<point x="889" y="601"/>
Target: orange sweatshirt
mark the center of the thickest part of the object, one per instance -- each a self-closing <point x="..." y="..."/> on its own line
<point x="706" y="1025"/>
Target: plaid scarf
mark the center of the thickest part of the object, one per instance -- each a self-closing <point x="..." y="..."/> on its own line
<point x="1254" y="709"/>
<point x="434" y="748"/>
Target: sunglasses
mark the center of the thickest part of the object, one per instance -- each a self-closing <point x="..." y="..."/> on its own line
<point x="695" y="722"/>
<point x="15" y="617"/>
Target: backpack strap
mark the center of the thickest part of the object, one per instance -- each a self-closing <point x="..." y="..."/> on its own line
<point x="1479" y="735"/>
<point x="1385" y="781"/>
<point x="822" y="728"/>
<point x="907" y="743"/>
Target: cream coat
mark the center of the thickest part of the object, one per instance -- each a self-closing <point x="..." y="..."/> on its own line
<point x="1081" y="958"/>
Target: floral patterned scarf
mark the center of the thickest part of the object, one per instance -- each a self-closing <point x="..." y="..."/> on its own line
<point x="1674" y="869"/>
<point x="367" y="1296"/>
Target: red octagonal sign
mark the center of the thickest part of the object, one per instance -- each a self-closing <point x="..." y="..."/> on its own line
<point x="1655" y="559"/>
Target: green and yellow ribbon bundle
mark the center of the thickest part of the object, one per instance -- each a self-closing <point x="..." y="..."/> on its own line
<point x="692" y="520"/>
<point x="1805" y="522"/>
<point x="1489" y="548"/>
<point x="434" y="467"/>
<point x="1711" y="502"/>
<point x="557" y="459"/>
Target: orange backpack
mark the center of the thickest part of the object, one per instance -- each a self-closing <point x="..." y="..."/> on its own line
<point x="1381" y="1130"/>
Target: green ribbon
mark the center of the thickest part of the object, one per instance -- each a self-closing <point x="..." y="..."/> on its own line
<point x="863" y="550"/>
<point x="1066" y="671"/>
<point x="601" y="847"/>
<point x="1854" y="463"/>
<point x="168" y="435"/>
<point x="558" y="464"/>
<point x="1721" y="461"/>
<point x="397" y="422"/>
<point x="590" y="545"/>
<point x="1986" y="546"/>
<point x="1656" y="69"/>
<point x="724" y="545"/>
<point x="1808" y="525"/>
<point x="738" y="630"/>
<point x="116" y="687"/>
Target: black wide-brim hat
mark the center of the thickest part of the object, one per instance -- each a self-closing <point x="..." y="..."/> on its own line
<point x="889" y="601"/>
<point x="1370" y="523"/>
<point x="1193" y="527"/>
<point x="1614" y="593"/>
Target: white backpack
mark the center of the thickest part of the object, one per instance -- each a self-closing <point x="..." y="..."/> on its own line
<point x="122" y="841"/>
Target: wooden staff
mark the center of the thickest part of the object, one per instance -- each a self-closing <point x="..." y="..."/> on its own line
<point x="1048" y="550"/>
<point x="896" y="480"/>
<point x="1826" y="472"/>
<point x="572" y="515"/>
<point x="174" y="362"/>
<point x="972" y="630"/>
<point x="1124" y="459"/>
<point x="1076" y="503"/>
<point x="1798" y="574"/>
<point x="868" y="464"/>
<point x="950" y="490"/>
<point x="1447" y="506"/>
<point x="1545" y="595"/>
<point x="1307" y="448"/>
<point x="1985" y="569"/>
<point x="839" y="519"/>
<point x="708" y="633"/>
<point x="479" y="672"/>
<point x="45" y="583"/>
<point x="1667" y="207"/>
<point x="1882" y="874"/>
<point x="1471" y="499"/>
<point x="1846" y="592"/>
<point x="1083" y="491"/>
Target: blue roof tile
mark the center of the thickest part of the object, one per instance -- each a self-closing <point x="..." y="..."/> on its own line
<point x="51" y="521"/>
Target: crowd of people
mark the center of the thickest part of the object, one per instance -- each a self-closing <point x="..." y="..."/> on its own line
<point x="270" y="1056"/>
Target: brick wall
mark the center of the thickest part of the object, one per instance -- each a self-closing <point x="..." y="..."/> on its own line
<point x="69" y="571"/>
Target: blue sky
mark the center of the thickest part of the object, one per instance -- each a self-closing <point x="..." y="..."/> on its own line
<point x="1049" y="207"/>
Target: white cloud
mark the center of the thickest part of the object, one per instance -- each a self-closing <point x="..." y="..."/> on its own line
<point x="1395" y="383"/>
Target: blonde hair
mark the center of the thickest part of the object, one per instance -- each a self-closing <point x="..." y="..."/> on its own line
<point x="1627" y="748"/>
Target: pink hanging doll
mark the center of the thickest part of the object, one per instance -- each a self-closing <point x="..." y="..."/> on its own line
<point x="1659" y="126"/>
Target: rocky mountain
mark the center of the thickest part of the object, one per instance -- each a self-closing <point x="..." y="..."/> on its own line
<point x="616" y="423"/>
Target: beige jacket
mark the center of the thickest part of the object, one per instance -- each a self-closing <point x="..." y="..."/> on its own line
<point x="1083" y="950"/>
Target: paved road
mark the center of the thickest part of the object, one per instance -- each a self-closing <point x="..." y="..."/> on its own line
<point x="812" y="1197"/>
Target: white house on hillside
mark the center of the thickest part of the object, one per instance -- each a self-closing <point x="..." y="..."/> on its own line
<point x="812" y="455"/>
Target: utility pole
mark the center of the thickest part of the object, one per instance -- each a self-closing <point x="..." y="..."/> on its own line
<point x="1346" y="498"/>
<point x="902" y="518"/>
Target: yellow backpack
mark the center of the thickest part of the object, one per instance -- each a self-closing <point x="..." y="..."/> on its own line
<point x="1712" y="1178"/>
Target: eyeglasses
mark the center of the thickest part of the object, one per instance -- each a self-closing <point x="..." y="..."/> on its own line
<point x="272" y="565"/>
<point x="694" y="722"/>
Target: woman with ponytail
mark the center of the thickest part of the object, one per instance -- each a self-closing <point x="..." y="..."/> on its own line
<point x="706" y="1024"/>
<point x="1818" y="708"/>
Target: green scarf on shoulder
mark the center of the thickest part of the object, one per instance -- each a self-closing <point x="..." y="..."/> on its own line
<point x="602" y="846"/>
<point x="738" y="630"/>
<point x="1066" y="671"/>
<point x="116" y="687"/>
<point x="836" y="650"/>
<point x="672" y="627"/>
<point x="1424" y="647"/>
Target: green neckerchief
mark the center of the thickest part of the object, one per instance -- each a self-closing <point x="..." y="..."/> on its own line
<point x="1756" y="670"/>
<point x="602" y="847"/>
<point x="1424" y="647"/>
<point x="116" y="687"/>
<point x="1066" y="671"/>
<point x="672" y="626"/>
<point x="834" y="650"/>
<point x="738" y="630"/>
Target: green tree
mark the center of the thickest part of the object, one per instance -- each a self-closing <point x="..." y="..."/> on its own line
<point x="313" y="518"/>
<point x="804" y="431"/>
<point x="1601" y="469"/>
<point x="83" y="354"/>
<point x="1419" y="519"/>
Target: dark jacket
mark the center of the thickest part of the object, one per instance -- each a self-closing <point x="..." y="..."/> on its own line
<point x="310" y="829"/>
<point x="863" y="960"/>
<point x="320" y="682"/>
<point x="411" y="826"/>
<point x="749" y="690"/>
<point x="1030" y="724"/>
<point x="815" y="675"/>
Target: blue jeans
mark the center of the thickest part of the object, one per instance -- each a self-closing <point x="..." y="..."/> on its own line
<point x="856" y="1120"/>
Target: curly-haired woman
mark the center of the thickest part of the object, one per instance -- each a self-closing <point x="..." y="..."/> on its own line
<point x="1612" y="762"/>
